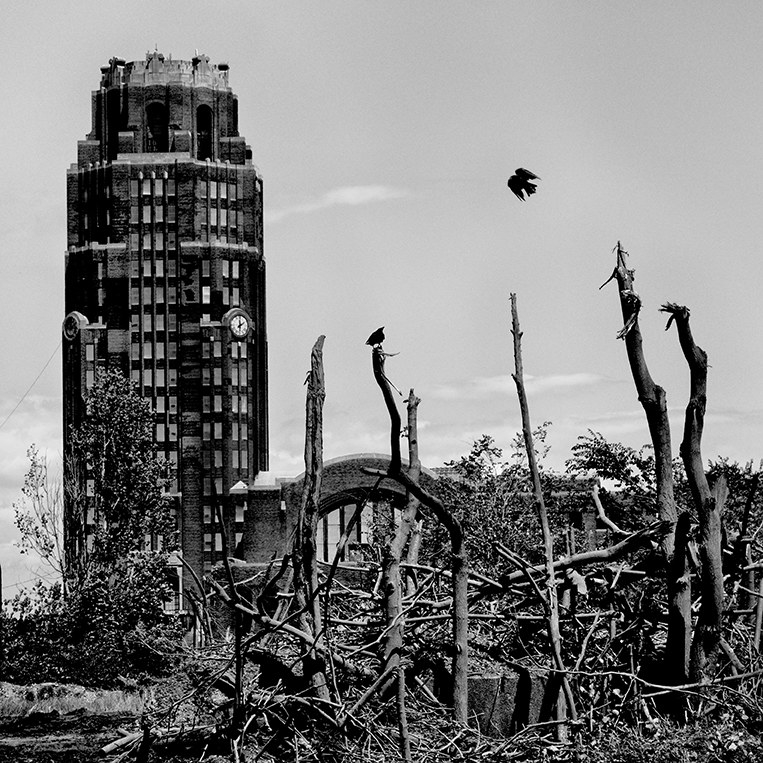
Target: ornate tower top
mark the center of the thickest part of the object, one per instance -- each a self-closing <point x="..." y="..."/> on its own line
<point x="161" y="105"/>
<point x="158" y="70"/>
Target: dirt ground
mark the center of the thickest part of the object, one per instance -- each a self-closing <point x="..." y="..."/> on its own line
<point x="48" y="737"/>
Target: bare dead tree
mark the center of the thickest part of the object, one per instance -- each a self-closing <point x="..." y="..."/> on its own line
<point x="393" y="583"/>
<point x="706" y="644"/>
<point x="551" y="600"/>
<point x="458" y="554"/>
<point x="414" y="468"/>
<point x="306" y="591"/>
<point x="653" y="400"/>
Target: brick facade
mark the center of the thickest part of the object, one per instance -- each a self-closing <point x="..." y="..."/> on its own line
<point x="164" y="265"/>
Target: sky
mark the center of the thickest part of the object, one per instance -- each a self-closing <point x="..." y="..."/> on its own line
<point x="385" y="133"/>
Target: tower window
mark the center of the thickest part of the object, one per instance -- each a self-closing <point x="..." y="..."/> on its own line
<point x="156" y="127"/>
<point x="204" y="132"/>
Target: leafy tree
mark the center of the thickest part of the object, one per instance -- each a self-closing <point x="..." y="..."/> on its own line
<point x="39" y="514"/>
<point x="113" y="452"/>
<point x="492" y="497"/>
<point x="110" y="618"/>
<point x="626" y="475"/>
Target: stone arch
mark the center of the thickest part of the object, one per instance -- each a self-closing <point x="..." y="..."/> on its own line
<point x="272" y="512"/>
<point x="344" y="486"/>
<point x="343" y="481"/>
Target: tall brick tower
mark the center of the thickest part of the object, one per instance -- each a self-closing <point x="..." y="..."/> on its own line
<point x="165" y="278"/>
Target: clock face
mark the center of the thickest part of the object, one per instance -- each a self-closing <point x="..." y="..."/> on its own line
<point x="71" y="326"/>
<point x="239" y="326"/>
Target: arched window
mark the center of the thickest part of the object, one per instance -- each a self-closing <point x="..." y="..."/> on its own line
<point x="204" y="133"/>
<point x="157" y="128"/>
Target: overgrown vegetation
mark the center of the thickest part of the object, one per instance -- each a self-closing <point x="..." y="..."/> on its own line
<point x="104" y="617"/>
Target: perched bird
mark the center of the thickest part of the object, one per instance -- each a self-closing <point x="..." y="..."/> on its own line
<point x="376" y="338"/>
<point x="520" y="181"/>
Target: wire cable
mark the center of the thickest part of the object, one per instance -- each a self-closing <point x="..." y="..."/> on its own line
<point x="31" y="386"/>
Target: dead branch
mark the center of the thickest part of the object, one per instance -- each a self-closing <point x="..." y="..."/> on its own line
<point x="548" y="541"/>
<point x="709" y="503"/>
<point x="653" y="400"/>
<point x="237" y="719"/>
<point x="304" y="553"/>
<point x="276" y="625"/>
<point x="652" y="532"/>
<point x="600" y="513"/>
<point x="393" y="581"/>
<point x="459" y="564"/>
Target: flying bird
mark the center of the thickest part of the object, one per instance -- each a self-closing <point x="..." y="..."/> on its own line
<point x="376" y="338"/>
<point x="520" y="181"/>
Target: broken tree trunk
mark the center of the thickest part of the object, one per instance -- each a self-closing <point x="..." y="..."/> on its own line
<point x="393" y="582"/>
<point x="653" y="400"/>
<point x="709" y="503"/>
<point x="551" y="601"/>
<point x="412" y="503"/>
<point x="306" y="591"/>
<point x="459" y="564"/>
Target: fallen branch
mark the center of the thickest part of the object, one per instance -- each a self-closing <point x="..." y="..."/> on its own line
<point x="652" y="532"/>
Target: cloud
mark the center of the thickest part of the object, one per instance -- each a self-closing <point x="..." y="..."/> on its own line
<point x="482" y="387"/>
<point x="347" y="196"/>
<point x="37" y="421"/>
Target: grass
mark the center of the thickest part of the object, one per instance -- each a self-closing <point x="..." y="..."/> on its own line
<point x="19" y="701"/>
